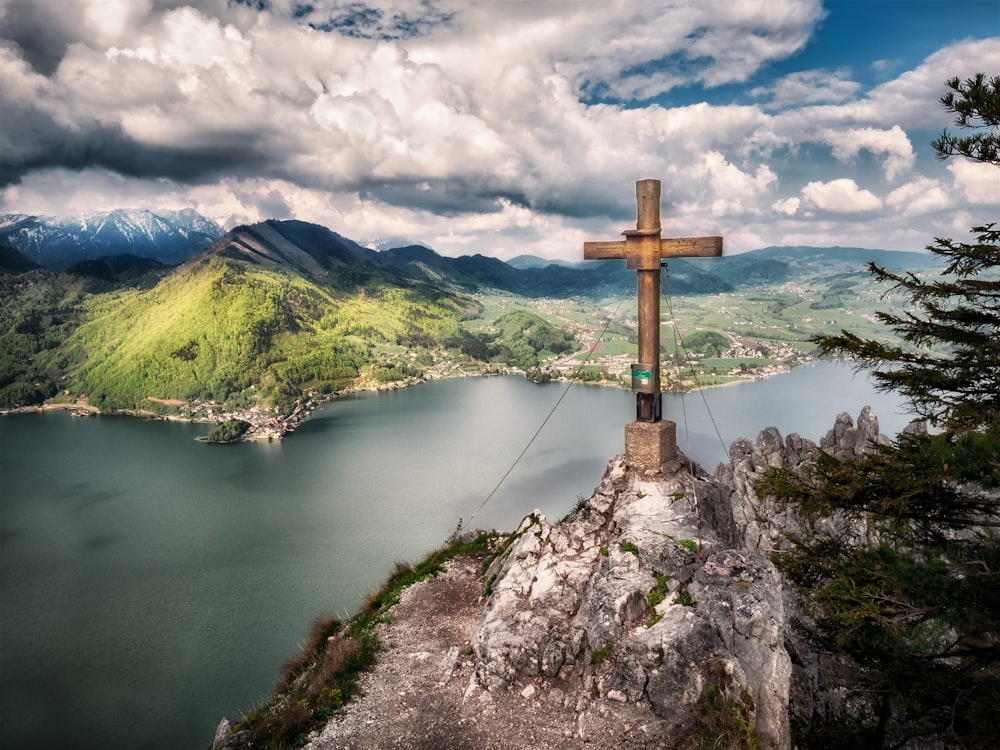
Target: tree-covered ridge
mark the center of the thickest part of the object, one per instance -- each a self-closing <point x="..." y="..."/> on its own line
<point x="228" y="330"/>
<point x="518" y="339"/>
<point x="38" y="311"/>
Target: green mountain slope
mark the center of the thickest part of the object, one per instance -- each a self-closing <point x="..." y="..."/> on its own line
<point x="232" y="331"/>
<point x="39" y="310"/>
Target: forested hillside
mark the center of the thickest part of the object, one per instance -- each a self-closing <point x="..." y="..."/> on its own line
<point x="39" y="310"/>
<point x="230" y="331"/>
<point x="281" y="314"/>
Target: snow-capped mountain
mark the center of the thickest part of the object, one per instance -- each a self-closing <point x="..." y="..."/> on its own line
<point x="170" y="237"/>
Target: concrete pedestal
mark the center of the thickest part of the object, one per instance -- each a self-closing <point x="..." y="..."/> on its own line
<point x="650" y="446"/>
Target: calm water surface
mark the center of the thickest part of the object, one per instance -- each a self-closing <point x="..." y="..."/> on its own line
<point x="150" y="584"/>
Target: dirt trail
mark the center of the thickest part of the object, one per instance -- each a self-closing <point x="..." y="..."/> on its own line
<point x="418" y="696"/>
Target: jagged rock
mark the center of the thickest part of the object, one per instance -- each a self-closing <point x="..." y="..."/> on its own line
<point x="867" y="433"/>
<point x="226" y="739"/>
<point x="242" y="740"/>
<point x="222" y="731"/>
<point x="762" y="525"/>
<point x="571" y="605"/>
<point x="846" y="441"/>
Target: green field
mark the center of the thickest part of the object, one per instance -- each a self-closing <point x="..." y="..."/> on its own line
<point x="768" y="329"/>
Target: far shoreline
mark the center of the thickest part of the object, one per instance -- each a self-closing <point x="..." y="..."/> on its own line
<point x="276" y="427"/>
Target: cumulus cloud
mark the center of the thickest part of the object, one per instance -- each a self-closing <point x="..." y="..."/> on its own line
<point x="809" y="87"/>
<point x="727" y="188"/>
<point x="788" y="206"/>
<point x="493" y="127"/>
<point x="840" y="196"/>
<point x="921" y="196"/>
<point x="978" y="183"/>
<point x="892" y="145"/>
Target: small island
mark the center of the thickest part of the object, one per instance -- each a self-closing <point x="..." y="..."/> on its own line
<point x="230" y="431"/>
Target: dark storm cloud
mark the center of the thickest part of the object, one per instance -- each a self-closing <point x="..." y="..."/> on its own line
<point x="40" y="36"/>
<point x="274" y="205"/>
<point x="484" y="196"/>
<point x="579" y="200"/>
<point x="43" y="29"/>
<point x="32" y="140"/>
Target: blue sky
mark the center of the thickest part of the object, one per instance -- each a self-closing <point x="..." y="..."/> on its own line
<point x="504" y="126"/>
<point x="871" y="40"/>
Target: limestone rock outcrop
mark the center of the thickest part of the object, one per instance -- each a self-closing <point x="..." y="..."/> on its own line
<point x="658" y="592"/>
<point x="625" y="625"/>
<point x="636" y="599"/>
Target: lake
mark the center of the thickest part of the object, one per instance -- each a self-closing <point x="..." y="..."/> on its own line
<point x="151" y="584"/>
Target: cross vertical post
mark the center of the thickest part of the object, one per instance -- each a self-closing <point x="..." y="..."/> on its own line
<point x="650" y="441"/>
<point x="642" y="252"/>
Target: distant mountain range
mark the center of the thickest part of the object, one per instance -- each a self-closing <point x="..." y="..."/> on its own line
<point x="325" y="255"/>
<point x="86" y="245"/>
<point x="169" y="237"/>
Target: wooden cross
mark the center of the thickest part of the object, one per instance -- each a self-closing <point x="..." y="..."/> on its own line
<point x="643" y="249"/>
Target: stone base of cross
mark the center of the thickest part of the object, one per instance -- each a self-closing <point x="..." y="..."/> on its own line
<point x="650" y="441"/>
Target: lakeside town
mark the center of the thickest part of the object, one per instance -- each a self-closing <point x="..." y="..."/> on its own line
<point x="604" y="355"/>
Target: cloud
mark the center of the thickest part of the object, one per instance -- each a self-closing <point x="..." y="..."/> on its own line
<point x="840" y="196"/>
<point x="979" y="183"/>
<point x="499" y="127"/>
<point x="625" y="50"/>
<point x="921" y="196"/>
<point x="38" y="32"/>
<point x="808" y="87"/>
<point x="727" y="189"/>
<point x="892" y="144"/>
<point x="788" y="206"/>
<point x="903" y="101"/>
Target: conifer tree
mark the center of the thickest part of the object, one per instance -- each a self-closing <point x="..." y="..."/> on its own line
<point x="951" y="370"/>
<point x="976" y="104"/>
<point x="903" y="575"/>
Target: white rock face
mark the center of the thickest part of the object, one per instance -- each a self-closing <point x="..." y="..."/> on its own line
<point x="660" y="590"/>
<point x="636" y="599"/>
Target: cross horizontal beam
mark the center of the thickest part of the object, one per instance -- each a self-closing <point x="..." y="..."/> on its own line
<point x="670" y="247"/>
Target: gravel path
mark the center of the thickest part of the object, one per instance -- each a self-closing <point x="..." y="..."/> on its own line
<point x="421" y="696"/>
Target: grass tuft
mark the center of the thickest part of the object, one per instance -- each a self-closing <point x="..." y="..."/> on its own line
<point x="659" y="591"/>
<point x="598" y="655"/>
<point x="725" y="716"/>
<point x="322" y="678"/>
<point x="690" y="545"/>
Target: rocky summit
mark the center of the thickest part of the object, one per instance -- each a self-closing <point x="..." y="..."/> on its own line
<point x="651" y="616"/>
<point x="636" y="600"/>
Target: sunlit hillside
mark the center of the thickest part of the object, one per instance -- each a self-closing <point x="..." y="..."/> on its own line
<point x="230" y="331"/>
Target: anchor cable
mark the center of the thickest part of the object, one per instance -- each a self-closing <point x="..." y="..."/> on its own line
<point x="680" y="351"/>
<point x="569" y="384"/>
